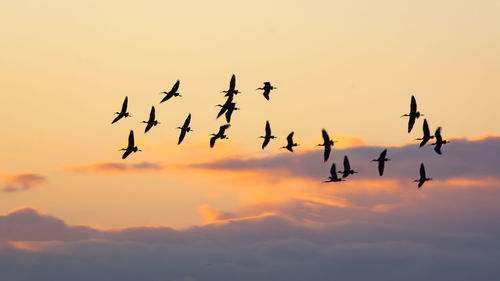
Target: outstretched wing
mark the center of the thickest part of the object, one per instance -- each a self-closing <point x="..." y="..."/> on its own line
<point x="437" y="134"/>
<point x="181" y="136"/>
<point x="124" y="105"/>
<point x="383" y="154"/>
<point x="425" y="128"/>
<point x="266" y="94"/>
<point x="148" y="127"/>
<point x="411" y="122"/>
<point x="333" y="171"/>
<point x="326" y="138"/>
<point x="266" y="141"/>
<point x="187" y="121"/>
<point x="413" y="105"/>
<point x="326" y="152"/>
<point x="126" y="153"/>
<point x="152" y="114"/>
<point x="117" y="118"/>
<point x="289" y="138"/>
<point x="212" y="141"/>
<point x="422" y="171"/>
<point x="232" y="83"/>
<point x="381" y="165"/>
<point x="347" y="165"/>
<point x="175" y="87"/>
<point x="131" y="139"/>
<point x="268" y="129"/>
<point x="223" y="128"/>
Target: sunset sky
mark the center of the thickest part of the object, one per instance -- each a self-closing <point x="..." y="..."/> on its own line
<point x="350" y="67"/>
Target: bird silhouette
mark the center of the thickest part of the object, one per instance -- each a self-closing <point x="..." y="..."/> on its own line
<point x="123" y="112"/>
<point x="347" y="168"/>
<point x="151" y="122"/>
<point x="224" y="107"/>
<point x="423" y="178"/>
<point x="229" y="111"/>
<point x="268" y="135"/>
<point x="184" y="129"/>
<point x="381" y="162"/>
<point x="267" y="89"/>
<point x="289" y="146"/>
<point x="172" y="92"/>
<point x="413" y="113"/>
<point x="427" y="134"/>
<point x="327" y="143"/>
<point x="232" y="85"/>
<point x="439" y="141"/>
<point x="131" y="146"/>
<point x="219" y="135"/>
<point x="333" y="175"/>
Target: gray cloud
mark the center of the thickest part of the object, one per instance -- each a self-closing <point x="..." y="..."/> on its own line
<point x="23" y="181"/>
<point x="117" y="167"/>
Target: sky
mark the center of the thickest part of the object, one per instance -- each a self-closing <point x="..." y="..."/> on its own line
<point x="349" y="67"/>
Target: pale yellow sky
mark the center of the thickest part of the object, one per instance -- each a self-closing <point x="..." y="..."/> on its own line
<point x="347" y="66"/>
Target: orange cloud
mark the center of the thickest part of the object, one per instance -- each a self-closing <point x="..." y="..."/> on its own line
<point x="23" y="181"/>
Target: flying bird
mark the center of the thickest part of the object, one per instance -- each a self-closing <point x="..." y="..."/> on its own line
<point x="123" y="112"/>
<point x="381" y="162"/>
<point x="289" y="146"/>
<point x="267" y="89"/>
<point x="219" y="135"/>
<point x="268" y="135"/>
<point x="427" y="134"/>
<point x="232" y="85"/>
<point x="224" y="107"/>
<point x="229" y="111"/>
<point x="131" y="146"/>
<point x="347" y="168"/>
<point x="423" y="178"/>
<point x="184" y="129"/>
<point x="151" y="122"/>
<point x="413" y="113"/>
<point x="439" y="141"/>
<point x="172" y="92"/>
<point x="333" y="175"/>
<point x="327" y="143"/>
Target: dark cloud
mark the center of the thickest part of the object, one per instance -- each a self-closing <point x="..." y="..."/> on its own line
<point x="461" y="158"/>
<point x="23" y="181"/>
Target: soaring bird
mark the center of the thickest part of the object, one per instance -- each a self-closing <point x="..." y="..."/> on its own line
<point x="268" y="135"/>
<point x="413" y="113"/>
<point x="131" y="146"/>
<point x="123" y="112"/>
<point x="427" y="134"/>
<point x="224" y="107"/>
<point x="422" y="178"/>
<point x="232" y="85"/>
<point x="289" y="146"/>
<point x="327" y="143"/>
<point x="172" y="92"/>
<point x="347" y="168"/>
<point x="185" y="128"/>
<point x="381" y="162"/>
<point x="267" y="89"/>
<point x="439" y="141"/>
<point x="219" y="135"/>
<point x="229" y="111"/>
<point x="333" y="175"/>
<point x="151" y="122"/>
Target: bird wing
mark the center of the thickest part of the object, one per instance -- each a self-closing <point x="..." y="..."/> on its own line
<point x="333" y="171"/>
<point x="422" y="171"/>
<point x="223" y="128"/>
<point x="268" y="129"/>
<point x="426" y="130"/>
<point x="181" y="136"/>
<point x="266" y="141"/>
<point x="437" y="134"/>
<point x="289" y="138"/>
<point x="266" y="94"/>
<point x="187" y="121"/>
<point x="152" y="114"/>
<point x="232" y="83"/>
<point x="437" y="148"/>
<point x="411" y="122"/>
<point x="326" y="138"/>
<point x="383" y="154"/>
<point x="175" y="87"/>
<point x="381" y="165"/>
<point x="347" y="165"/>
<point x="413" y="105"/>
<point x="124" y="105"/>
<point x="126" y="153"/>
<point x="212" y="141"/>
<point x="165" y="98"/>
<point x="229" y="113"/>
<point x="117" y="118"/>
<point x="131" y="139"/>
<point x="148" y="127"/>
<point x="326" y="152"/>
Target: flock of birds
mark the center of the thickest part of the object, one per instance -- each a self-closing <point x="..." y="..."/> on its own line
<point x="229" y="107"/>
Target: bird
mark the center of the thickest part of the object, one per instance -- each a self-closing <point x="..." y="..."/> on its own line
<point x="232" y="85"/>
<point x="381" y="162"/>
<point x="427" y="134"/>
<point x="131" y="146"/>
<point x="333" y="175"/>
<point x="229" y="111"/>
<point x="184" y="129"/>
<point x="439" y="141"/>
<point x="267" y="89"/>
<point x="172" y="92"/>
<point x="123" y="112"/>
<point x="327" y="143"/>
<point x="225" y="106"/>
<point x="268" y="135"/>
<point x="151" y="122"/>
<point x="413" y="113"/>
<point x="423" y="178"/>
<point x="219" y="135"/>
<point x="289" y="146"/>
<point x="347" y="168"/>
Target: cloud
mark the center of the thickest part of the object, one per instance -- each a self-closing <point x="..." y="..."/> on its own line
<point x="117" y="167"/>
<point x="462" y="159"/>
<point x="24" y="181"/>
